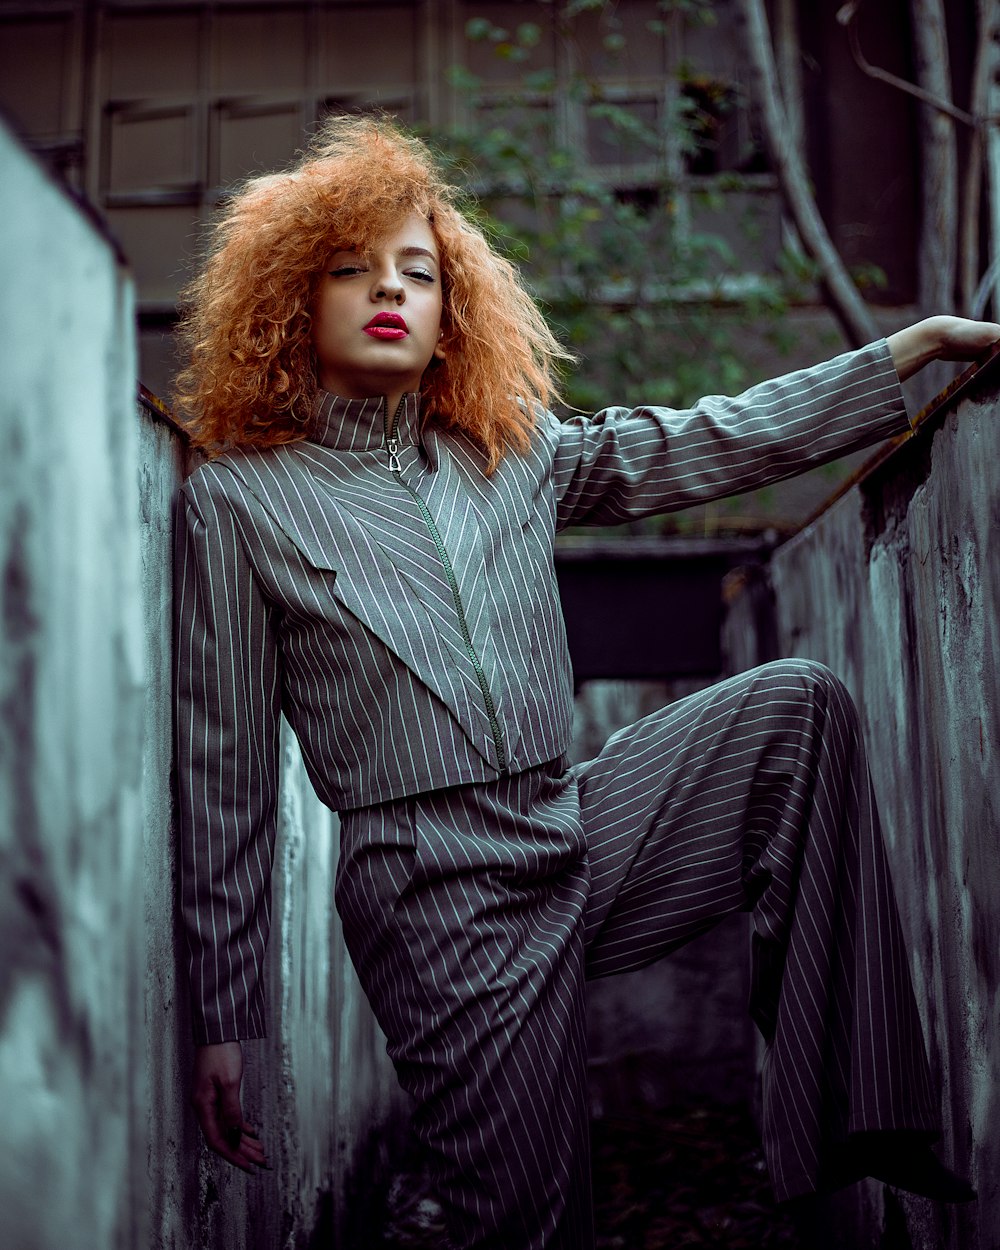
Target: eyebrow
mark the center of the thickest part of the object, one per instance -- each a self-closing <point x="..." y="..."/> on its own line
<point x="417" y="251"/>
<point x="403" y="251"/>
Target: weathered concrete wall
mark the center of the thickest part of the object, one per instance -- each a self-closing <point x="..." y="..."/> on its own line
<point x="897" y="588"/>
<point x="71" y="674"/>
<point x="100" y="1151"/>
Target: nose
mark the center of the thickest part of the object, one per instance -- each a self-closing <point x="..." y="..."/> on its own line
<point x="387" y="285"/>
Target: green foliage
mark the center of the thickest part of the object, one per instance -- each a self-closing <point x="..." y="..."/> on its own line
<point x="655" y="304"/>
<point x="868" y="276"/>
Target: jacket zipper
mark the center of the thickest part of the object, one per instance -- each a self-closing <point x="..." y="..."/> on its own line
<point x="392" y="448"/>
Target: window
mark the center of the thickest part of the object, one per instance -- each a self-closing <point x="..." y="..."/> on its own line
<point x="642" y="102"/>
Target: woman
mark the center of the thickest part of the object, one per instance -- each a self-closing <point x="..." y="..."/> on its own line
<point x="369" y="550"/>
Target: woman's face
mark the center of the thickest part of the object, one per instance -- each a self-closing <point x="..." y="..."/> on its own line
<point x="377" y="319"/>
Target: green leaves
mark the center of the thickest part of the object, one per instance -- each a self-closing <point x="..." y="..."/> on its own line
<point x="542" y="80"/>
<point x="529" y="34"/>
<point x="507" y="47"/>
<point x="700" y="11"/>
<point x="630" y="229"/>
<point x="480" y="28"/>
<point x="462" y="79"/>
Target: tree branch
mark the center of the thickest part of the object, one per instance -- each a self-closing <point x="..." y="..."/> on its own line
<point x="985" y="66"/>
<point x="844" y="298"/>
<point x="846" y="17"/>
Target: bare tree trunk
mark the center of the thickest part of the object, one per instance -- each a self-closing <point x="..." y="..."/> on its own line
<point x="987" y="63"/>
<point x="842" y="295"/>
<point x="938" y="259"/>
<point x="968" y="242"/>
<point x="788" y="66"/>
<point x="993" y="167"/>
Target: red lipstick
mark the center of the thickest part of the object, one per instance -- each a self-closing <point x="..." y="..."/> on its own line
<point x="387" y="325"/>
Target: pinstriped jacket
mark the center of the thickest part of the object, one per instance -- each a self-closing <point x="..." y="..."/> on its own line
<point x="407" y="623"/>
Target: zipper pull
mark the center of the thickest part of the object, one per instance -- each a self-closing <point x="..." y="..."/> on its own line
<point x="392" y="446"/>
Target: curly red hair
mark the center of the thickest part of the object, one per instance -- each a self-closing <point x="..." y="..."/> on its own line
<point x="246" y="325"/>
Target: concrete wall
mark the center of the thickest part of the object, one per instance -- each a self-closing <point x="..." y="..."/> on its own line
<point x="100" y="1151"/>
<point x="71" y="686"/>
<point x="897" y="588"/>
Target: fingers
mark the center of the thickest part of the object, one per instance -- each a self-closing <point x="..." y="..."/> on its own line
<point x="248" y="1146"/>
<point x="962" y="339"/>
<point x="228" y="1135"/>
<point x="940" y="338"/>
<point x="980" y="336"/>
<point x="243" y="1142"/>
<point x="216" y="1100"/>
<point x="243" y="1148"/>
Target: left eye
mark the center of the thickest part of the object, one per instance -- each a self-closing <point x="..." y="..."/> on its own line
<point x="421" y="275"/>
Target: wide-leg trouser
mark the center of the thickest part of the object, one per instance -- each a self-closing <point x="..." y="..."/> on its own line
<point x="475" y="914"/>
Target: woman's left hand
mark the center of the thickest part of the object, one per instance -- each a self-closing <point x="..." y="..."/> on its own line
<point x="940" y="338"/>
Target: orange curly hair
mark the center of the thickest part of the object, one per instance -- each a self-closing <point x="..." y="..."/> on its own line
<point x="246" y="325"/>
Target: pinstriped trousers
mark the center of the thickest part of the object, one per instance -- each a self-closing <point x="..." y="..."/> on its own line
<point x="475" y="914"/>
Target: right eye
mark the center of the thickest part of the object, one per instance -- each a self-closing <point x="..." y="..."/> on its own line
<point x="345" y="270"/>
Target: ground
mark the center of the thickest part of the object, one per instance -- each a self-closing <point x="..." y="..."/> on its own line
<point x="687" y="1177"/>
<point x="692" y="1176"/>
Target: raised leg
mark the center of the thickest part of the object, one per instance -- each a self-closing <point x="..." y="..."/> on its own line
<point x="755" y="794"/>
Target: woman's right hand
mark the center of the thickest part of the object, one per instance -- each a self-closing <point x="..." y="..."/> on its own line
<point x="215" y="1096"/>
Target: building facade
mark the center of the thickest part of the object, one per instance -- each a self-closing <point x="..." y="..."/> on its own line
<point x="152" y="110"/>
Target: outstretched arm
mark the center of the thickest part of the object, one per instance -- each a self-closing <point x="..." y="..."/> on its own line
<point x="939" y="338"/>
<point x="623" y="464"/>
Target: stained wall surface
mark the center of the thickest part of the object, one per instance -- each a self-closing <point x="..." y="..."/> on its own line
<point x="71" y="710"/>
<point x="100" y="1151"/>
<point x="897" y="588"/>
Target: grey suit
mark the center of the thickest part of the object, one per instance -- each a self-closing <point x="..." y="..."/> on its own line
<point x="408" y="626"/>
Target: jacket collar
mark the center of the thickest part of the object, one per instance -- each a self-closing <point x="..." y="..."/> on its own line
<point x="359" y="424"/>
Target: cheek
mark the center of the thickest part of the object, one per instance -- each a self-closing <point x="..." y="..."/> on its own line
<point x="437" y="317"/>
<point x="324" y="325"/>
<point x="316" y="322"/>
<point x="327" y="308"/>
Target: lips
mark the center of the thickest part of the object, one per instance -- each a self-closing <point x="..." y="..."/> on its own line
<point x="387" y="325"/>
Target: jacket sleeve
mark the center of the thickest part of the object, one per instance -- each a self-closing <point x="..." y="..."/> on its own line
<point x="624" y="464"/>
<point x="227" y="710"/>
